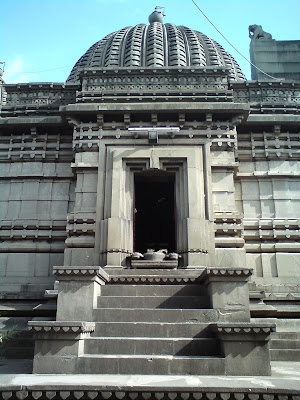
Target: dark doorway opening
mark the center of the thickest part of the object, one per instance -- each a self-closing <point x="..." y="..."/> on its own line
<point x="154" y="212"/>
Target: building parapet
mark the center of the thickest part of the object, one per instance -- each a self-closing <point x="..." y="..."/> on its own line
<point x="115" y="84"/>
<point x="40" y="94"/>
<point x="267" y="92"/>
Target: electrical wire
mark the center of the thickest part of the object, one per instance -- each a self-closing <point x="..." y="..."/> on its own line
<point x="205" y="16"/>
<point x="45" y="70"/>
<point x="253" y="65"/>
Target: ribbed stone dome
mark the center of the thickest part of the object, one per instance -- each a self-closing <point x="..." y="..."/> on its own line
<point x="156" y="45"/>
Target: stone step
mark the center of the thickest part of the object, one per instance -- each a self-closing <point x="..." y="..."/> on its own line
<point x="153" y="302"/>
<point x="152" y="329"/>
<point x="155" y="315"/>
<point x="153" y="346"/>
<point x="150" y="365"/>
<point x="285" y="344"/>
<point x="154" y="290"/>
<point x="286" y="335"/>
<point x="285" y="355"/>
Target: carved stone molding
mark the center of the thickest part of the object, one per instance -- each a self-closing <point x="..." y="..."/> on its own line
<point x="269" y="92"/>
<point x="87" y="271"/>
<point x="75" y="271"/>
<point x="154" y="264"/>
<point x="244" y="328"/>
<point x="40" y="94"/>
<point x="147" y="280"/>
<point x="272" y="229"/>
<point x="219" y="136"/>
<point x="89" y="393"/>
<point x="33" y="229"/>
<point x="228" y="226"/>
<point x="111" y="85"/>
<point x="72" y="327"/>
<point x="227" y="272"/>
<point x="269" y="145"/>
<point x="37" y="147"/>
<point x="194" y="251"/>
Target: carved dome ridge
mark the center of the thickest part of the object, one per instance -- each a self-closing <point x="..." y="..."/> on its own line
<point x="156" y="45"/>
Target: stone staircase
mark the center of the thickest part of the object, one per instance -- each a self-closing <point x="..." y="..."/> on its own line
<point x="153" y="329"/>
<point x="158" y="322"/>
<point x="285" y="346"/>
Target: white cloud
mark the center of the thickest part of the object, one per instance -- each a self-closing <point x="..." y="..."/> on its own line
<point x="14" y="71"/>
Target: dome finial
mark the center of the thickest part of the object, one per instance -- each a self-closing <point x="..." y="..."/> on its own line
<point x="157" y="16"/>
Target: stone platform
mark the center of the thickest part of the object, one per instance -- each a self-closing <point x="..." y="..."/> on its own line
<point x="154" y="322"/>
<point x="285" y="381"/>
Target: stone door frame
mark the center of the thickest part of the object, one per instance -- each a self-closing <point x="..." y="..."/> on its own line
<point x="194" y="216"/>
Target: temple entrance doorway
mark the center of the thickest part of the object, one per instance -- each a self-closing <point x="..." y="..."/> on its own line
<point x="154" y="212"/>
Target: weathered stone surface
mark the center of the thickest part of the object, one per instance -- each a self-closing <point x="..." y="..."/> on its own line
<point x="245" y="347"/>
<point x="78" y="289"/>
<point x="196" y="50"/>
<point x="72" y="155"/>
<point x="277" y="58"/>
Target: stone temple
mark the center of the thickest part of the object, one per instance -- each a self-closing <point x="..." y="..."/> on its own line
<point x="150" y="212"/>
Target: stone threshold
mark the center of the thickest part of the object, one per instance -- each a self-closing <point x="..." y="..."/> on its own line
<point x="154" y="386"/>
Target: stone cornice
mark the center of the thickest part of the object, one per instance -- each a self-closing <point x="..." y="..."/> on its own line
<point x="153" y="71"/>
<point x="160" y="280"/>
<point x="227" y="272"/>
<point x="273" y="118"/>
<point x="244" y="328"/>
<point x="86" y="271"/>
<point x="232" y="108"/>
<point x="269" y="95"/>
<point x="85" y="391"/>
<point x="265" y="84"/>
<point x="75" y="271"/>
<point x="41" y="85"/>
<point x="71" y="327"/>
<point x="40" y="94"/>
<point x="30" y="120"/>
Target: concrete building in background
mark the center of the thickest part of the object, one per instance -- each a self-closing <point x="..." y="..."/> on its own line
<point x="150" y="210"/>
<point x="278" y="58"/>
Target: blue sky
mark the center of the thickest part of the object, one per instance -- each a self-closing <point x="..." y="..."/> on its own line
<point x="42" y="39"/>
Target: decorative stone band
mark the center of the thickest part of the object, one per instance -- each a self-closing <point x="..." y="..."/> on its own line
<point x="89" y="393"/>
<point x="154" y="276"/>
<point x="192" y="251"/>
<point x="68" y="327"/>
<point x="228" y="272"/>
<point x="123" y="251"/>
<point x="147" y="280"/>
<point x="244" y="328"/>
<point x="154" y="264"/>
<point x="81" y="271"/>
